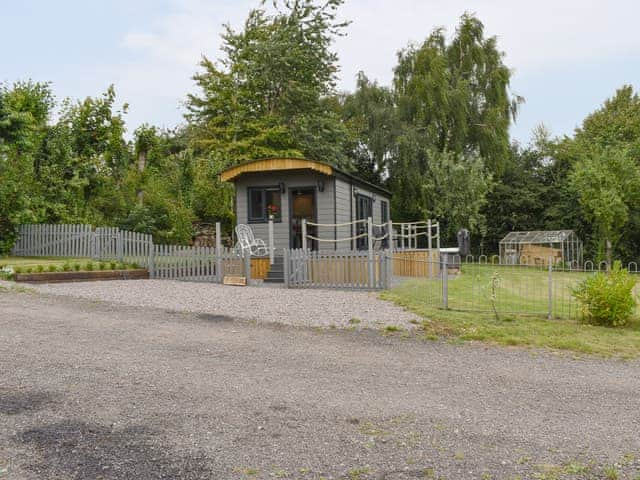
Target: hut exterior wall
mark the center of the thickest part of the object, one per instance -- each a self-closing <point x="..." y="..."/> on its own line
<point x="324" y="203"/>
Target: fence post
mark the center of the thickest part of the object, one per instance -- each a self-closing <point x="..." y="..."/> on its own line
<point x="119" y="240"/>
<point x="271" y="249"/>
<point x="429" y="247"/>
<point x="550" y="260"/>
<point x="304" y="234"/>
<point x="444" y="272"/>
<point x="247" y="266"/>
<point x="152" y="259"/>
<point x="286" y="268"/>
<point x="370" y="264"/>
<point x="390" y="234"/>
<point x="388" y="258"/>
<point x="219" y="275"/>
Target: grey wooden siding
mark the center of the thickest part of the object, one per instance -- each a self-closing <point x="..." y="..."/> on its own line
<point x="324" y="203"/>
<point x="346" y="208"/>
<point x="343" y="212"/>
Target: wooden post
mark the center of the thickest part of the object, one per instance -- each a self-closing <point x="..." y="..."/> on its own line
<point x="152" y="259"/>
<point x="304" y="234"/>
<point x="371" y="265"/>
<point x="271" y="249"/>
<point x="219" y="273"/>
<point x="286" y="268"/>
<point x="247" y="267"/>
<point x="119" y="241"/>
<point x="390" y="235"/>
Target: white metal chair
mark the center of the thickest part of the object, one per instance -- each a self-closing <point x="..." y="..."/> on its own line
<point x="247" y="242"/>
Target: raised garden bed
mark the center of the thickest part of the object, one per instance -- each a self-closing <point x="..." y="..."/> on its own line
<point x="83" y="276"/>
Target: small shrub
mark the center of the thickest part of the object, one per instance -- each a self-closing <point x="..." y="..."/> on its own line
<point x="89" y="266"/>
<point x="102" y="266"/>
<point x="607" y="298"/>
<point x="77" y="267"/>
<point x="18" y="270"/>
<point x="29" y="270"/>
<point x="113" y="265"/>
<point x="135" y="266"/>
<point x="53" y="268"/>
<point x="66" y="267"/>
<point x="39" y="268"/>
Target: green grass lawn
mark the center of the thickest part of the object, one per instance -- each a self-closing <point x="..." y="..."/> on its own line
<point x="522" y="306"/>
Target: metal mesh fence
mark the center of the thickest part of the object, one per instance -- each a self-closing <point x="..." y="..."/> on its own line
<point x="479" y="285"/>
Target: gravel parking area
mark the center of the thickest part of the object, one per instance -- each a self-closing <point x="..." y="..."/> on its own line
<point x="91" y="390"/>
<point x="309" y="307"/>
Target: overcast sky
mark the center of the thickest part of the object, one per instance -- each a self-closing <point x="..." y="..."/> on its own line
<point x="568" y="56"/>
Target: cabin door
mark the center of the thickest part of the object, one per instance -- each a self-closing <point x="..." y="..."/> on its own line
<point x="303" y="206"/>
<point x="364" y="210"/>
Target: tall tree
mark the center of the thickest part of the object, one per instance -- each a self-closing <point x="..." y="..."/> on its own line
<point x="370" y="116"/>
<point x="608" y="183"/>
<point x="452" y="102"/>
<point x="268" y="94"/>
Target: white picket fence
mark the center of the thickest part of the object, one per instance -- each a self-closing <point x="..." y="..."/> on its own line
<point x="205" y="264"/>
<point x="356" y="269"/>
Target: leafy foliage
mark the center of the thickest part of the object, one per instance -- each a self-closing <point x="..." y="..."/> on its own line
<point x="607" y="298"/>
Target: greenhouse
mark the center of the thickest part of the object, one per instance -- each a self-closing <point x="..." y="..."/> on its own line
<point x="558" y="247"/>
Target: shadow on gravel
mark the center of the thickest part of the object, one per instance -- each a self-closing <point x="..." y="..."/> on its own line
<point x="19" y="402"/>
<point x="81" y="450"/>
<point x="208" y="317"/>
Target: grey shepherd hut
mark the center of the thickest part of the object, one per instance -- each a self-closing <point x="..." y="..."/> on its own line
<point x="293" y="189"/>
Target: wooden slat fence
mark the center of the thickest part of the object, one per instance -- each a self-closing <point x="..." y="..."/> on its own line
<point x="112" y="244"/>
<point x="69" y="240"/>
<point x="344" y="270"/>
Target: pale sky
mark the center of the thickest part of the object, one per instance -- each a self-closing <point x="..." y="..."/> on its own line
<point x="568" y="56"/>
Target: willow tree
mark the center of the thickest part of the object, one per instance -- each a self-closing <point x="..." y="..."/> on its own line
<point x="451" y="97"/>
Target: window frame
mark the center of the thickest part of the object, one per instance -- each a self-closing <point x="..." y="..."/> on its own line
<point x="264" y="218"/>
<point x="384" y="211"/>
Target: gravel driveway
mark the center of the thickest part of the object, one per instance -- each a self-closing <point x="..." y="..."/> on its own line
<point x="309" y="307"/>
<point x="94" y="390"/>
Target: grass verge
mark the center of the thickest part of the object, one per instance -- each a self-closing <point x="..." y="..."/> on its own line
<point x="515" y="330"/>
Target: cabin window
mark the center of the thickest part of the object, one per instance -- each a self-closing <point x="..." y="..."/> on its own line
<point x="384" y="211"/>
<point x="264" y="201"/>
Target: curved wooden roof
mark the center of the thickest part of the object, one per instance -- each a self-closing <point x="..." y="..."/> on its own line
<point x="274" y="164"/>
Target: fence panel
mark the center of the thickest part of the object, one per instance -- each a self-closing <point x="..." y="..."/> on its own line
<point x="44" y="240"/>
<point x="344" y="270"/>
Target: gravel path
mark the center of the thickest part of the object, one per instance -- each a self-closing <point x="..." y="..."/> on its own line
<point x="92" y="390"/>
<point x="319" y="308"/>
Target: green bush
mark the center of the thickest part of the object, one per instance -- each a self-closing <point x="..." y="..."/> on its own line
<point x="113" y="265"/>
<point x="53" y="268"/>
<point x="29" y="270"/>
<point x="66" y="267"/>
<point x="135" y="265"/>
<point x="77" y="267"/>
<point x="102" y="266"/>
<point x="607" y="298"/>
<point x="18" y="270"/>
<point x="88" y="266"/>
<point x="39" y="268"/>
